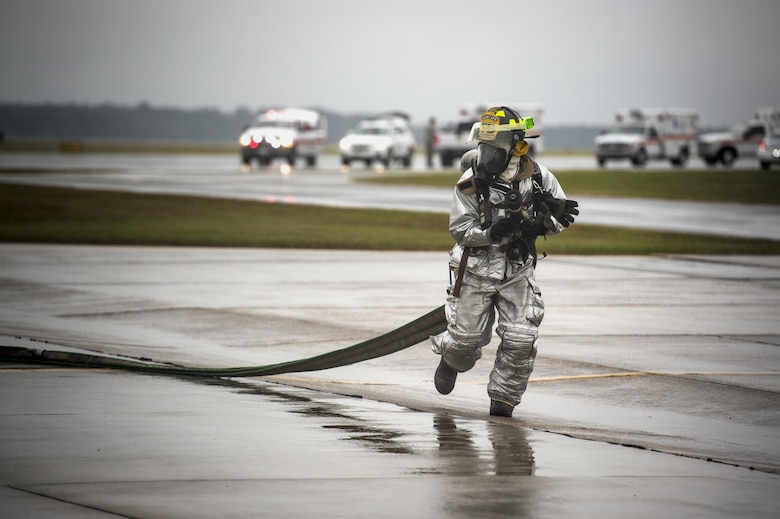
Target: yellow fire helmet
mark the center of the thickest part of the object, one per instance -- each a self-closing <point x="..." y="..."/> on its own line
<point x="501" y="127"/>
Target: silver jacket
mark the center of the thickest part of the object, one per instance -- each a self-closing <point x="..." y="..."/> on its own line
<point x="464" y="216"/>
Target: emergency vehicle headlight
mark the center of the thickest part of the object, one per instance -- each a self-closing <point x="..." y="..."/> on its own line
<point x="245" y="140"/>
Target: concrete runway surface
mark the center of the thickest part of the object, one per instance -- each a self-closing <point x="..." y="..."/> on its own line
<point x="655" y="391"/>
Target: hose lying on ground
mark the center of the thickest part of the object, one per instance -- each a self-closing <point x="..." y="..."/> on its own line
<point x="401" y="338"/>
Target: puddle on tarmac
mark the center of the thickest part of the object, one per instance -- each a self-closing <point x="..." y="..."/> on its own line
<point x="440" y="443"/>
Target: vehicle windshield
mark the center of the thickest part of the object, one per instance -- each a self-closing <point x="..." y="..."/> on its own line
<point x="633" y="130"/>
<point x="372" y="130"/>
<point x="268" y="123"/>
<point x="465" y="127"/>
<point x="737" y="129"/>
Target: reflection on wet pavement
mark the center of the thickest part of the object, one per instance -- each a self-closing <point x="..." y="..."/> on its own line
<point x="458" y="447"/>
<point x="378" y="439"/>
<point x="508" y="454"/>
<point x="154" y="446"/>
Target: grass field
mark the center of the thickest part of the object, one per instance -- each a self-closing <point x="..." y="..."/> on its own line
<point x="752" y="186"/>
<point x="59" y="215"/>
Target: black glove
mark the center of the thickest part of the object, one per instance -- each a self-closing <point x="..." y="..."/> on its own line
<point x="503" y="228"/>
<point x="562" y="209"/>
<point x="530" y="229"/>
<point x="567" y="213"/>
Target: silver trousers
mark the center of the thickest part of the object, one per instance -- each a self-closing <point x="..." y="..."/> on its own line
<point x="517" y="303"/>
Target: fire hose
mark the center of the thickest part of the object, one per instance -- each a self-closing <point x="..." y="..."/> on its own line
<point x="399" y="339"/>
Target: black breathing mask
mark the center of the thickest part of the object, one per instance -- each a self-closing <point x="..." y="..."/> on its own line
<point x="490" y="162"/>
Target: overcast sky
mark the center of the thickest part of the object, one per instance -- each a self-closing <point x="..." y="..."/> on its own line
<point x="581" y="59"/>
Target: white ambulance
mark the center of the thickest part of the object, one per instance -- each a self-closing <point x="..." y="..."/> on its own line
<point x="646" y="134"/>
<point x="289" y="134"/>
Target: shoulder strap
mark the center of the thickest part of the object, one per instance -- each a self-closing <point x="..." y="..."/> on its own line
<point x="537" y="176"/>
<point x="525" y="167"/>
<point x="467" y="185"/>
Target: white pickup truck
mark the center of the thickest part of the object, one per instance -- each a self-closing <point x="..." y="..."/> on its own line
<point x="452" y="140"/>
<point x="740" y="141"/>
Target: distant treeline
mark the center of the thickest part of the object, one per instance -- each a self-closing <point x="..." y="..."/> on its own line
<point x="106" y="121"/>
<point x="147" y="123"/>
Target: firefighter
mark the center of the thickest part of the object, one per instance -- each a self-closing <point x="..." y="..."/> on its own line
<point x="503" y="201"/>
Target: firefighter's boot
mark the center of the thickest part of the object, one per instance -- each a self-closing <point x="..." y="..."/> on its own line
<point x="499" y="408"/>
<point x="444" y="379"/>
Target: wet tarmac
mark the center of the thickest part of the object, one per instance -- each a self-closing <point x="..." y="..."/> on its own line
<point x="655" y="392"/>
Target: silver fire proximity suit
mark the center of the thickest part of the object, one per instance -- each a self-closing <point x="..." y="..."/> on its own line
<point x="497" y="284"/>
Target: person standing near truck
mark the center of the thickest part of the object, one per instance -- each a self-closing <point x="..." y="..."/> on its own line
<point x="430" y="141"/>
<point x="503" y="201"/>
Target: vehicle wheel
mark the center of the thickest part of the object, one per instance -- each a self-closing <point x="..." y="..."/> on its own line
<point x="640" y="159"/>
<point x="446" y="160"/>
<point x="345" y="161"/>
<point x="388" y="160"/>
<point x="766" y="165"/>
<point x="602" y="162"/>
<point x="407" y="161"/>
<point x="311" y="161"/>
<point x="681" y="159"/>
<point x="728" y="156"/>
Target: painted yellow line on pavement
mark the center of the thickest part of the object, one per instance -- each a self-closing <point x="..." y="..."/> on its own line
<point x="648" y="373"/>
<point x="661" y="374"/>
<point x="598" y="375"/>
